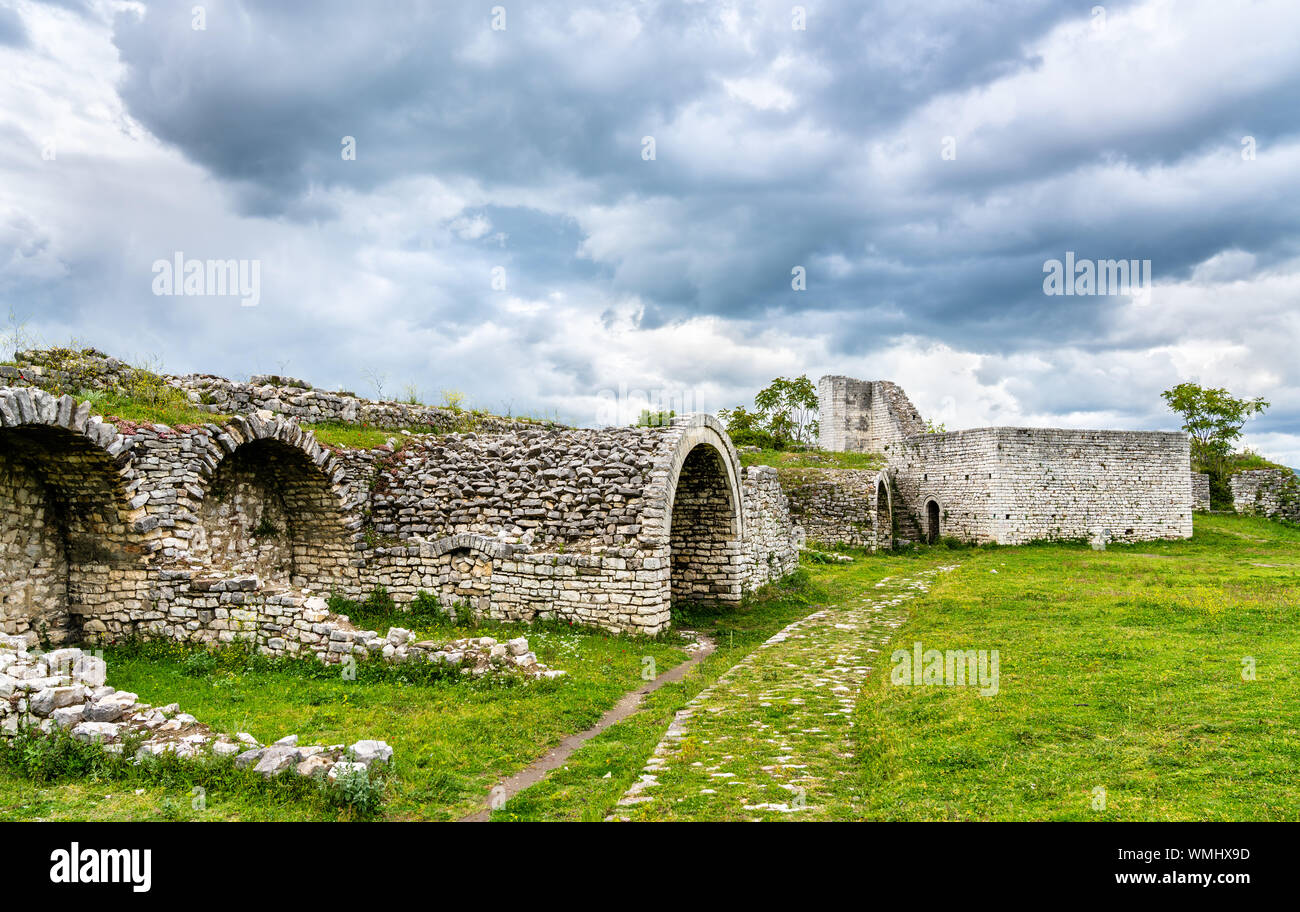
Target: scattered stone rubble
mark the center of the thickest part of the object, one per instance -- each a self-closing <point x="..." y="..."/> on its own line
<point x="477" y="656"/>
<point x="65" y="689"/>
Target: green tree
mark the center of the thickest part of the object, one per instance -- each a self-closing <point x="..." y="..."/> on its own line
<point x="1213" y="418"/>
<point x="648" y="418"/>
<point x="746" y="428"/>
<point x="784" y="415"/>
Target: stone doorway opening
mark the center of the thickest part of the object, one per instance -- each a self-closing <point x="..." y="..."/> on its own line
<point x="932" y="513"/>
<point x="705" y="532"/>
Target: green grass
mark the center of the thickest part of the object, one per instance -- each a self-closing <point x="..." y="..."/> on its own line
<point x="580" y="791"/>
<point x="812" y="459"/>
<point x="355" y="436"/>
<point x="1249" y="460"/>
<point x="171" y="411"/>
<point x="1120" y="670"/>
<point x="453" y="740"/>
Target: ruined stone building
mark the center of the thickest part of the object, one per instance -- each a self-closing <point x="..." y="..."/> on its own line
<point x="1005" y="484"/>
<point x="216" y="531"/>
<point x="236" y="528"/>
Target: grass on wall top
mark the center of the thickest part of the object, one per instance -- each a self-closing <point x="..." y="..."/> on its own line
<point x="811" y="459"/>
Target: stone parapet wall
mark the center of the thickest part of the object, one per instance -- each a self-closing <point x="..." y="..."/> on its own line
<point x="1266" y="492"/>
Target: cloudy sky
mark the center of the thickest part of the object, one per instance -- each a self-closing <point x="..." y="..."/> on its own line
<point x="503" y="229"/>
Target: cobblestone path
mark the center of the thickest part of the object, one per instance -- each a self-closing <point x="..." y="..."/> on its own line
<point x="770" y="738"/>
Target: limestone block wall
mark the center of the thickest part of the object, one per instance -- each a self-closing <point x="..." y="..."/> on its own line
<point x="580" y="489"/>
<point x="1065" y="483"/>
<point x="961" y="472"/>
<point x="75" y="535"/>
<point x="1200" y="491"/>
<point x="771" y="533"/>
<point x="1015" y="485"/>
<point x="33" y="562"/>
<point x="705" y="533"/>
<point x="864" y="416"/>
<point x="1266" y="492"/>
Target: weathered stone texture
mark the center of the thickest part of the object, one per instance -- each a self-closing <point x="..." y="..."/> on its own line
<point x="91" y="370"/>
<point x="771" y="534"/>
<point x="1200" y="491"/>
<point x="1006" y="485"/>
<point x="864" y="416"/>
<point x="1014" y="485"/>
<point x="834" y="506"/>
<point x="212" y="533"/>
<point x="1267" y="492"/>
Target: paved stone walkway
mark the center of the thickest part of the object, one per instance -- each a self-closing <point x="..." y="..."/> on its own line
<point x="769" y="738"/>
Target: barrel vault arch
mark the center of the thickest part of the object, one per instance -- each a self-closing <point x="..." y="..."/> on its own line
<point x="272" y="501"/>
<point x="695" y="496"/>
<point x="70" y="532"/>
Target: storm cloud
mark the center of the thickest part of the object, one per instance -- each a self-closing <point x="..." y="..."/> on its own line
<point x="502" y="229"/>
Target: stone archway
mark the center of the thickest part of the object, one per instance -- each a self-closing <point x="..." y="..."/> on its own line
<point x="65" y="534"/>
<point x="932" y="514"/>
<point x="270" y="510"/>
<point x="884" y="516"/>
<point x="704" y="530"/>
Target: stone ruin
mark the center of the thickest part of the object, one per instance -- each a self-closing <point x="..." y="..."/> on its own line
<point x="1002" y="484"/>
<point x="64" y="689"/>
<point x="212" y="533"/>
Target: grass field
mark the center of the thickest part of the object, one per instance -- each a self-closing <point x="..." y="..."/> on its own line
<point x="1121" y="697"/>
<point x="452" y="740"/>
<point x="1121" y="671"/>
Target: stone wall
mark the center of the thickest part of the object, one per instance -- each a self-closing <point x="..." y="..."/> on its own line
<point x="864" y="416"/>
<point x="219" y="531"/>
<point x="33" y="563"/>
<point x="61" y="370"/>
<point x="1006" y="485"/>
<point x="833" y="506"/>
<point x="294" y="398"/>
<point x="1201" y="492"/>
<point x="1266" y="492"/>
<point x="1015" y="485"/>
<point x="772" y="536"/>
<point x="959" y="471"/>
<point x="1068" y="483"/>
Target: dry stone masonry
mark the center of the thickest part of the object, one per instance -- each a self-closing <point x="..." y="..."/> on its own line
<point x="1274" y="493"/>
<point x="229" y="531"/>
<point x="1200" y="492"/>
<point x="92" y="370"/>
